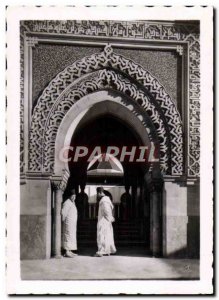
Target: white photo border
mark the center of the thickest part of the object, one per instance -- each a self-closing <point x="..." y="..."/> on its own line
<point x="132" y="287"/>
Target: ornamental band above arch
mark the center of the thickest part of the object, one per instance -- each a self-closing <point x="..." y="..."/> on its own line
<point x="45" y="114"/>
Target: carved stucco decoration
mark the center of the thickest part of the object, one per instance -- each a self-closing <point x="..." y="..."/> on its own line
<point x="124" y="29"/>
<point x="104" y="79"/>
<point x="60" y="182"/>
<point x="22" y="34"/>
<point x="62" y="83"/>
<point x="139" y="30"/>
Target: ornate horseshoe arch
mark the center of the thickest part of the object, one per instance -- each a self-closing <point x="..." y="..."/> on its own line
<point x="115" y="105"/>
<point x="95" y="73"/>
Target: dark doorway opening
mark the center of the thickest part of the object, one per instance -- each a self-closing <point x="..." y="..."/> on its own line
<point x="128" y="192"/>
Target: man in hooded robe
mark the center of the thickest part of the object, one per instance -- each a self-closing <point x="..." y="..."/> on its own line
<point x="105" y="238"/>
<point x="69" y="228"/>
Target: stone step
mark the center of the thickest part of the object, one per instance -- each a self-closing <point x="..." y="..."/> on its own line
<point x="116" y="220"/>
<point x="119" y="238"/>
<point x="134" y="230"/>
<point x="87" y="226"/>
<point x="116" y="232"/>
<point x="120" y="234"/>
<point x="120" y="231"/>
<point x="125" y="232"/>
<point x="114" y="226"/>
<point x="93" y="243"/>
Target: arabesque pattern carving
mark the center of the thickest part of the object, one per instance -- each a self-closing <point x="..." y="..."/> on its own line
<point x="22" y="163"/>
<point x="60" y="182"/>
<point x="104" y="79"/>
<point x="139" y="30"/>
<point x="109" y="59"/>
<point x="194" y="106"/>
<point x="122" y="29"/>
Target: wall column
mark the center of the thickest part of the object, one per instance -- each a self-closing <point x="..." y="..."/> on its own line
<point x="156" y="216"/>
<point x="175" y="219"/>
<point x="154" y="183"/>
<point x="57" y="219"/>
<point x="58" y="186"/>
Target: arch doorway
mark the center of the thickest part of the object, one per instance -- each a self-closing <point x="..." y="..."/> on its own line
<point x="127" y="188"/>
<point x="128" y="94"/>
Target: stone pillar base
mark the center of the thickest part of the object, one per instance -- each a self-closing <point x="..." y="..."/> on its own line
<point x="174" y="220"/>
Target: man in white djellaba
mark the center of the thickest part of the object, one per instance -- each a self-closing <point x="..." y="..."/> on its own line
<point x="69" y="229"/>
<point x="105" y="239"/>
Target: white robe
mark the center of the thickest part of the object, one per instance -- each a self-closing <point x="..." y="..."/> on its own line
<point x="105" y="239"/>
<point x="69" y="229"/>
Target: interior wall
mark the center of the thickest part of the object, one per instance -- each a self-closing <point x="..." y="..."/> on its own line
<point x="181" y="223"/>
<point x="49" y="60"/>
<point x="35" y="219"/>
<point x="193" y="227"/>
<point x="175" y="220"/>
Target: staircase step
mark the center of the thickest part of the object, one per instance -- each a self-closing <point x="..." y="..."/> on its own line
<point x="125" y="232"/>
<point x="117" y="242"/>
<point x="115" y="231"/>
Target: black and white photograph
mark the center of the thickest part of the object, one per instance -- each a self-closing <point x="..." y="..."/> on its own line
<point x="111" y="180"/>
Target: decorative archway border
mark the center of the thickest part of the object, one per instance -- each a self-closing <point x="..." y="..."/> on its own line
<point x="60" y="112"/>
<point x="131" y="117"/>
<point x="63" y="80"/>
<point x="183" y="34"/>
<point x="47" y="143"/>
<point x="97" y="83"/>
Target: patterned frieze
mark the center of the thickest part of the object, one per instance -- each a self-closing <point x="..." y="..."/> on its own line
<point x="140" y="30"/>
<point x="122" y="29"/>
<point x="44" y="111"/>
<point x="60" y="182"/>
